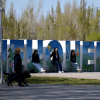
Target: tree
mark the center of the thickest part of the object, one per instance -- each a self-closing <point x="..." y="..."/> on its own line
<point x="75" y="22"/>
<point x="58" y="22"/>
<point x="11" y="22"/>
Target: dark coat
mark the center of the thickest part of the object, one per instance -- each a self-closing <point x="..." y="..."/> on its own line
<point x="35" y="58"/>
<point x="54" y="56"/>
<point x="17" y="63"/>
<point x="73" y="58"/>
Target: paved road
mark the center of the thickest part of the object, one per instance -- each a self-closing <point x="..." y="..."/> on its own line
<point x="50" y="92"/>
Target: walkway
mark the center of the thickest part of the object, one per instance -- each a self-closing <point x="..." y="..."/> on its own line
<point x="84" y="75"/>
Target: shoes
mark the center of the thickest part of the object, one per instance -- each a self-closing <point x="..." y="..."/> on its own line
<point x="59" y="71"/>
<point x="62" y="71"/>
<point x="42" y="70"/>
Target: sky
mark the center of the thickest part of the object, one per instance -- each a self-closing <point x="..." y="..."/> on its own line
<point x="20" y="4"/>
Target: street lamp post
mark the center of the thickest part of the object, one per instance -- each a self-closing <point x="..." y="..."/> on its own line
<point x="1" y="37"/>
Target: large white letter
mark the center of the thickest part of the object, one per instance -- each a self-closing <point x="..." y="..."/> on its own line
<point x="81" y="55"/>
<point x="93" y="61"/>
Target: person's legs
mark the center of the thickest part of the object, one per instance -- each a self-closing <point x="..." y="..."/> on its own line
<point x="60" y="67"/>
<point x="57" y="65"/>
<point x="37" y="66"/>
<point x="10" y="80"/>
<point x="74" y="65"/>
<point x="19" y="77"/>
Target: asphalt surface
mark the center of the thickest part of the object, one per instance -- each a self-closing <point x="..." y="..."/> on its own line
<point x="50" y="92"/>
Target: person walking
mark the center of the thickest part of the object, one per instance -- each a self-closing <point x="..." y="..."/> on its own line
<point x="17" y="67"/>
<point x="56" y="60"/>
<point x="35" y="61"/>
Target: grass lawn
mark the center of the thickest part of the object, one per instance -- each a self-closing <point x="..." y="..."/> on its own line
<point x="55" y="80"/>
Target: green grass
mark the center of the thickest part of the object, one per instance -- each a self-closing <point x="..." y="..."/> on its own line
<point x="55" y="80"/>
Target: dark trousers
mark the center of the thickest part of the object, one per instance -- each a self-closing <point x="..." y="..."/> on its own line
<point x="18" y="74"/>
<point x="12" y="78"/>
<point x="58" y="65"/>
